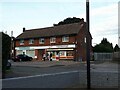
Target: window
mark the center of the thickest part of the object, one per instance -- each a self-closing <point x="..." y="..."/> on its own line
<point x="31" y="41"/>
<point x="30" y="53"/>
<point x="69" y="53"/>
<point x="62" y="53"/>
<point x="41" y="41"/>
<point x="19" y="52"/>
<point x="65" y="39"/>
<point x="21" y="42"/>
<point x="52" y="40"/>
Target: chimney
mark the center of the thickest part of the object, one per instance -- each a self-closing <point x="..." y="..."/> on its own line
<point x="82" y="20"/>
<point x="23" y="29"/>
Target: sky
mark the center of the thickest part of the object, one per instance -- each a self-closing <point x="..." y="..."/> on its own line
<point x="31" y="14"/>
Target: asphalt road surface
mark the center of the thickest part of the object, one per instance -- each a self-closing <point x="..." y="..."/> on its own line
<point x="20" y="71"/>
<point x="102" y="74"/>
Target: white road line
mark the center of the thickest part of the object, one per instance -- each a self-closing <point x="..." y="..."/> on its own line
<point x="42" y="75"/>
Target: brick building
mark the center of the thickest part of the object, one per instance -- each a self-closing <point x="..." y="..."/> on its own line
<point x="66" y="41"/>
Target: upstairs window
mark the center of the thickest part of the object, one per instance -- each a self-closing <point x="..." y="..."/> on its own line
<point x="22" y="42"/>
<point x="31" y="41"/>
<point x="52" y="40"/>
<point x="41" y="41"/>
<point x="65" y="39"/>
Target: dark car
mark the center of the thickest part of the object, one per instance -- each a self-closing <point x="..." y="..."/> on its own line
<point x="22" y="57"/>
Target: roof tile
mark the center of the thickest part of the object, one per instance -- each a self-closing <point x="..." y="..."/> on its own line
<point x="66" y="29"/>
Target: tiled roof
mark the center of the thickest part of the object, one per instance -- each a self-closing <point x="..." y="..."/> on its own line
<point x="67" y="29"/>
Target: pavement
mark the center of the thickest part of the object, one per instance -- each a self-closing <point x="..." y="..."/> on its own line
<point x="94" y="66"/>
<point x="45" y="63"/>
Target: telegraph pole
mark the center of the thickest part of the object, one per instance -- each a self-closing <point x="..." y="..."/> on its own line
<point x="88" y="45"/>
<point x="11" y="52"/>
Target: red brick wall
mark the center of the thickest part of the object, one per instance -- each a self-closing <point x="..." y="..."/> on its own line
<point x="81" y="45"/>
<point x="80" y="50"/>
<point x="80" y="53"/>
<point x="39" y="54"/>
<point x="47" y="42"/>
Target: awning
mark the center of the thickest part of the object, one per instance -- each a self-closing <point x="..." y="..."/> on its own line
<point x="59" y="49"/>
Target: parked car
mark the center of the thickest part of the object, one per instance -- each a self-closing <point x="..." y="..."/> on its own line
<point x="22" y="57"/>
<point x="8" y="66"/>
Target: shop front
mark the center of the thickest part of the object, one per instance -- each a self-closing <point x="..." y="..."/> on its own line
<point x="27" y="51"/>
<point x="59" y="52"/>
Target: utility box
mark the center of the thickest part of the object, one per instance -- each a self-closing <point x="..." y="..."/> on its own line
<point x="5" y="48"/>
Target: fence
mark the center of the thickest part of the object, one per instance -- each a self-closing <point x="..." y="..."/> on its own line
<point x="116" y="56"/>
<point x="103" y="56"/>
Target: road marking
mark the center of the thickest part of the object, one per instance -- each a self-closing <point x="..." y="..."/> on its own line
<point x="42" y="75"/>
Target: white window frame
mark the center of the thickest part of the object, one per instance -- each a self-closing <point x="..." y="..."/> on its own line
<point x="41" y="41"/>
<point x="21" y="42"/>
<point x="53" y="40"/>
<point x="31" y="41"/>
<point x="65" y="39"/>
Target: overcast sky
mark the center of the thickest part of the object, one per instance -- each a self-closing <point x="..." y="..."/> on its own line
<point x="32" y="14"/>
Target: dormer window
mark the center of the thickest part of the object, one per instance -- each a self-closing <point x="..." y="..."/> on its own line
<point x="31" y="41"/>
<point x="52" y="40"/>
<point x="22" y="42"/>
<point x="65" y="39"/>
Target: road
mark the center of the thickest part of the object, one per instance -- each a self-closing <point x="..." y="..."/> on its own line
<point x="62" y="75"/>
<point x="18" y="71"/>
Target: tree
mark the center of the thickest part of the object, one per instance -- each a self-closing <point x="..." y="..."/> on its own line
<point x="104" y="46"/>
<point x="116" y="48"/>
<point x="69" y="21"/>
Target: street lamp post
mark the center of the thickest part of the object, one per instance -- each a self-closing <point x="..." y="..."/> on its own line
<point x="88" y="45"/>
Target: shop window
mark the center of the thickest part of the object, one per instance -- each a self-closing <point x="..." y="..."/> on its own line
<point x="65" y="39"/>
<point x="62" y="53"/>
<point x="21" y="42"/>
<point x="31" y="41"/>
<point x="30" y="53"/>
<point x="19" y="52"/>
<point x="52" y="40"/>
<point x="41" y="40"/>
<point x="69" y="53"/>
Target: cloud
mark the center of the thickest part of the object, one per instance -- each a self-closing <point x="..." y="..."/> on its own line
<point x="103" y="10"/>
<point x="57" y="0"/>
<point x="104" y="19"/>
<point x="104" y="23"/>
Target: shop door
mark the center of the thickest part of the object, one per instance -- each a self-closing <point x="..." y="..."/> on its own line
<point x="53" y="55"/>
<point x="40" y="54"/>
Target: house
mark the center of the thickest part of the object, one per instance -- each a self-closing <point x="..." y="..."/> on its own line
<point x="66" y="41"/>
